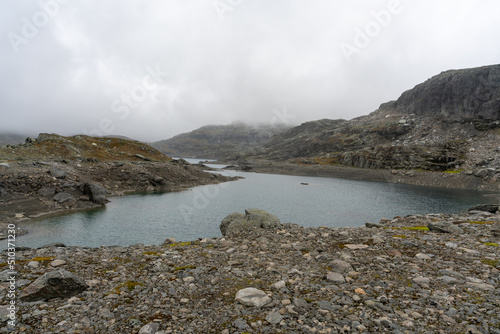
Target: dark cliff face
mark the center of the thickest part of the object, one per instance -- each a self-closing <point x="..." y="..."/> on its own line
<point x="452" y="120"/>
<point x="467" y="94"/>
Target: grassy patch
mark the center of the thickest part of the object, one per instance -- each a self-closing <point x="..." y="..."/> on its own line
<point x="184" y="268"/>
<point x="455" y="171"/>
<point x="151" y="253"/>
<point x="179" y="244"/>
<point x="41" y="259"/>
<point x="493" y="263"/>
<point x="416" y="228"/>
<point x="129" y="285"/>
<point x="481" y="222"/>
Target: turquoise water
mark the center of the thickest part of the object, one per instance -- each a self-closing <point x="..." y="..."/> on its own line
<point x="197" y="213"/>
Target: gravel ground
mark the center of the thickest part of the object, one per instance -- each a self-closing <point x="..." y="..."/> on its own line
<point x="395" y="276"/>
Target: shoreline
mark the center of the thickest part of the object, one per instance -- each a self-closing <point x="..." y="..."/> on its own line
<point x="464" y="180"/>
<point x="31" y="191"/>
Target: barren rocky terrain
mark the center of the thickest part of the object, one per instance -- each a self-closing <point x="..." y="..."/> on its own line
<point x="52" y="174"/>
<point x="417" y="274"/>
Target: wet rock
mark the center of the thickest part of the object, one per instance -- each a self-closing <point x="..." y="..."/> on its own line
<point x="56" y="284"/>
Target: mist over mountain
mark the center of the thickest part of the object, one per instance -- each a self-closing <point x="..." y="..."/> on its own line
<point x="220" y="141"/>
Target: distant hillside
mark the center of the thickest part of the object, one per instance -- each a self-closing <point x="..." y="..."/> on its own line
<point x="53" y="147"/>
<point x="450" y="121"/>
<point x="11" y="139"/>
<point x="219" y="141"/>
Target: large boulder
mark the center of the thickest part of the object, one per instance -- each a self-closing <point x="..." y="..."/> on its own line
<point x="253" y="218"/>
<point x="55" y="284"/>
<point x="98" y="194"/>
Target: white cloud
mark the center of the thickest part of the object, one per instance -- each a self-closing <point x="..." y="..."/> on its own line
<point x="263" y="55"/>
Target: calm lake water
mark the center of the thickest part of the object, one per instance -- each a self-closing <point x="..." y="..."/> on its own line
<point x="197" y="213"/>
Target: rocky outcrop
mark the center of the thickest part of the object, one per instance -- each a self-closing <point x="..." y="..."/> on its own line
<point x="83" y="148"/>
<point x="456" y="95"/>
<point x="449" y="122"/>
<point x="219" y="141"/>
<point x="55" y="284"/>
<point x="252" y="219"/>
<point x="73" y="173"/>
<point x="97" y="194"/>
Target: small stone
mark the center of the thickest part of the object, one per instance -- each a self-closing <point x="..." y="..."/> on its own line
<point x="421" y="280"/>
<point x="335" y="277"/>
<point x="355" y="246"/>
<point x="58" y="263"/>
<point x="279" y="285"/>
<point x="274" y="318"/>
<point x="394" y="252"/>
<point x="340" y="266"/>
<point x="422" y="256"/>
<point x="253" y="297"/>
<point x="150" y="328"/>
<point x="33" y="264"/>
<point x="447" y="279"/>
<point x="188" y="279"/>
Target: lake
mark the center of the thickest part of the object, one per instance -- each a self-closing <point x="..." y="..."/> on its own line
<point x="197" y="213"/>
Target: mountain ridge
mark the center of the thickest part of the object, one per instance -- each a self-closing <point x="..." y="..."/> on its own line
<point x="219" y="141"/>
<point x="450" y="121"/>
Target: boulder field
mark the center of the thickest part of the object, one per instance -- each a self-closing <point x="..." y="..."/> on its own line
<point x="417" y="274"/>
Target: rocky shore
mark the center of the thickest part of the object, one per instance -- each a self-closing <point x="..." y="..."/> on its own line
<point x="416" y="274"/>
<point x="52" y="174"/>
<point x="486" y="179"/>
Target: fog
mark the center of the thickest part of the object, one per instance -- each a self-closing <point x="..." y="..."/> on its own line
<point x="151" y="70"/>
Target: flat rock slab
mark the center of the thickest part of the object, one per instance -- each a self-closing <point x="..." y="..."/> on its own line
<point x="252" y="297"/>
<point x="444" y="227"/>
<point x="355" y="246"/>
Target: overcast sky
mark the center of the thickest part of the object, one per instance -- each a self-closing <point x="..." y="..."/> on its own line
<point x="153" y="69"/>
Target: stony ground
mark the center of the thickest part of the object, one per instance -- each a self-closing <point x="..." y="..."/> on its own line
<point x="394" y="277"/>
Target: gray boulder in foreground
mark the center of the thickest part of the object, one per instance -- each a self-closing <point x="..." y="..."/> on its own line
<point x="55" y="284"/>
<point x="253" y="218"/>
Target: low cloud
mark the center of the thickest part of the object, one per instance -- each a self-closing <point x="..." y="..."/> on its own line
<point x="88" y="67"/>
